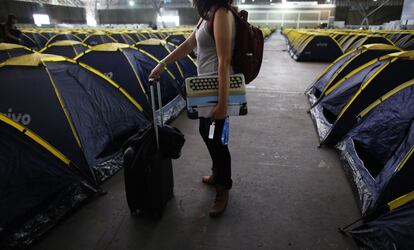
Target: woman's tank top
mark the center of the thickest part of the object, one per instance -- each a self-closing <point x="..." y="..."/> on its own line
<point x="207" y="62"/>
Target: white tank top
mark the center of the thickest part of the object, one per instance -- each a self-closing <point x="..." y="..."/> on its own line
<point x="207" y="62"/>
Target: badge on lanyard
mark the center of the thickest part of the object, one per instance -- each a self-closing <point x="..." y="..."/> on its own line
<point x="211" y="132"/>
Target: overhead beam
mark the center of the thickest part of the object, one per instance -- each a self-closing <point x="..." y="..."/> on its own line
<point x="367" y="15"/>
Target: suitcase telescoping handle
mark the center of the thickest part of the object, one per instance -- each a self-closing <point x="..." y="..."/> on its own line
<point x="152" y="83"/>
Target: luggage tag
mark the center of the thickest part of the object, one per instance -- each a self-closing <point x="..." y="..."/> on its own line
<point x="211" y="132"/>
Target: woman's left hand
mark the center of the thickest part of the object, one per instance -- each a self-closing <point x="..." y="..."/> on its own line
<point x="219" y="112"/>
<point x="156" y="72"/>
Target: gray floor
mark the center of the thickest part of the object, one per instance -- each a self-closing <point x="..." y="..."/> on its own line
<point x="287" y="194"/>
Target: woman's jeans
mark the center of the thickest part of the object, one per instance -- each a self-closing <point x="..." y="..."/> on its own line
<point x="219" y="153"/>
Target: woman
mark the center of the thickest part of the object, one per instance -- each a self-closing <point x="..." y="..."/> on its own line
<point x="214" y="58"/>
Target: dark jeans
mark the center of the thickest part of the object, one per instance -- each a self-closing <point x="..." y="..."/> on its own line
<point x="220" y="154"/>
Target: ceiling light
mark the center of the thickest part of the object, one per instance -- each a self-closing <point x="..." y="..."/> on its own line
<point x="40" y="19"/>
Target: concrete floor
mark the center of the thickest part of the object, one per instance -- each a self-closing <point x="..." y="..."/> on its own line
<point x="287" y="194"/>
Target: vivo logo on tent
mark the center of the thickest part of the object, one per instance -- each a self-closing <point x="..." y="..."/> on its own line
<point x="24" y="119"/>
<point x="109" y="74"/>
<point x="321" y="45"/>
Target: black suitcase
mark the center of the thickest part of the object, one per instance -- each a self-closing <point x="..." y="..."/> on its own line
<point x="148" y="174"/>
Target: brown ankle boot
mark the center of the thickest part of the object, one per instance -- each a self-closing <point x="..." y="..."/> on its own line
<point x="220" y="204"/>
<point x="208" y="179"/>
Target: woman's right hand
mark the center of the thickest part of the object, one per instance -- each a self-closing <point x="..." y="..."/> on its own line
<point x="156" y="72"/>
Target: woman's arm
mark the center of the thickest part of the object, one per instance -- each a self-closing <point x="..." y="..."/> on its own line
<point x="184" y="49"/>
<point x="222" y="36"/>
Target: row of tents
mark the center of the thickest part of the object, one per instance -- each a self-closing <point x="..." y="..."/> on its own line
<point x="328" y="45"/>
<point x="37" y="42"/>
<point x="64" y="116"/>
<point x="363" y="105"/>
<point x="71" y="43"/>
<point x="41" y="39"/>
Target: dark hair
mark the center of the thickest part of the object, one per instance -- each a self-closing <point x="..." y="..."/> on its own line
<point x="10" y="18"/>
<point x="204" y="6"/>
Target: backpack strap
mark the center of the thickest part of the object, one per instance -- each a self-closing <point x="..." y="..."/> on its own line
<point x="212" y="12"/>
<point x="199" y="23"/>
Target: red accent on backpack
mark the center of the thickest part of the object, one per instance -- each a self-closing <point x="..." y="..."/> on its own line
<point x="248" y="48"/>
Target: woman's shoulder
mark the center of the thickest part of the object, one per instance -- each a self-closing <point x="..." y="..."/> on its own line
<point x="223" y="11"/>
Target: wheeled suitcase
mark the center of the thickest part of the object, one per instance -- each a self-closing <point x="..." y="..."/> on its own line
<point x="148" y="173"/>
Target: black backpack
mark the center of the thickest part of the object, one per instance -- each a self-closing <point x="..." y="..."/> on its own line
<point x="248" y="49"/>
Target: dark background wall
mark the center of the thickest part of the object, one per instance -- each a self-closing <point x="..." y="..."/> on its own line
<point x="188" y="16"/>
<point x="352" y="16"/>
<point x="57" y="14"/>
<point x="123" y="16"/>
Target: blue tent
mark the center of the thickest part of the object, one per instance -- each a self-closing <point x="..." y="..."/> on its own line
<point x="337" y="112"/>
<point x="378" y="155"/>
<point x="176" y="38"/>
<point x="98" y="38"/>
<point x="73" y="107"/>
<point x="187" y="65"/>
<point x="182" y="69"/>
<point x="33" y="40"/>
<point x="172" y="80"/>
<point x="369" y="39"/>
<point x="374" y="148"/>
<point x="66" y="48"/>
<point x="63" y="37"/>
<point x="160" y="49"/>
<point x="123" y="38"/>
<point x="136" y="36"/>
<point x="315" y="47"/>
<point x="407" y="43"/>
<point x="47" y="34"/>
<point x="119" y="62"/>
<point x="38" y="185"/>
<point x="82" y="34"/>
<point x="345" y="65"/>
<point x="388" y="227"/>
<point x="9" y="50"/>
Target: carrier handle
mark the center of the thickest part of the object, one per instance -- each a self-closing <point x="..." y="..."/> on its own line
<point x="156" y="83"/>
